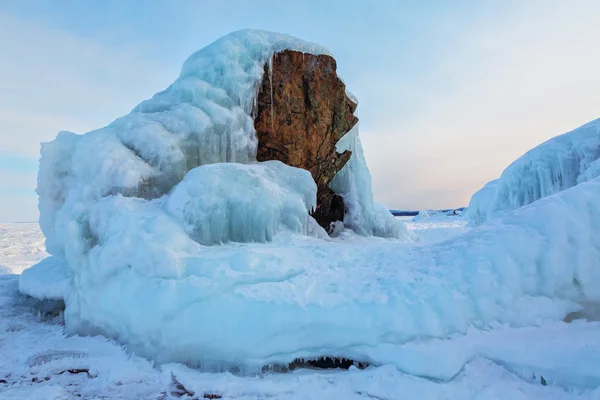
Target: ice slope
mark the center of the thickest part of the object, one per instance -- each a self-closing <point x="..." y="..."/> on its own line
<point x="204" y="117"/>
<point x="560" y="163"/>
<point x="249" y="305"/>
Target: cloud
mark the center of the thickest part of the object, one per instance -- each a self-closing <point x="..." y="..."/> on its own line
<point x="52" y="80"/>
<point x="513" y="82"/>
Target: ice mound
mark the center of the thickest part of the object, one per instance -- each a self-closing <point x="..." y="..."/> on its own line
<point x="148" y="285"/>
<point x="225" y="202"/>
<point x="560" y="163"/>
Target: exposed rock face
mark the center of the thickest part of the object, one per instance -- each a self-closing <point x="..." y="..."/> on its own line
<point x="301" y="112"/>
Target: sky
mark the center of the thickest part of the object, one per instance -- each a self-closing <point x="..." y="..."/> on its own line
<point x="449" y="92"/>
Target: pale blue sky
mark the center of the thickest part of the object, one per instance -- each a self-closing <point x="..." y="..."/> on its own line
<point x="449" y="92"/>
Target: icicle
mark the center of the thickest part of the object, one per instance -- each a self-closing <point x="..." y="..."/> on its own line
<point x="271" y="86"/>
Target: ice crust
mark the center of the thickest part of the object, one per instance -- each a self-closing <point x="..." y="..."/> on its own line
<point x="557" y="164"/>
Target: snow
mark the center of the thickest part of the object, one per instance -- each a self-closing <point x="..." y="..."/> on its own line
<point x="497" y="363"/>
<point x="429" y="230"/>
<point x="558" y="164"/>
<point x="21" y="246"/>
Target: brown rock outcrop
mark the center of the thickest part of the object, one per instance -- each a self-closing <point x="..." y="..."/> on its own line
<point x="301" y="112"/>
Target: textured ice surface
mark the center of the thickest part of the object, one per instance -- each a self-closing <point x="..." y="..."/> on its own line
<point x="252" y="304"/>
<point x="558" y="164"/>
<point x="123" y="205"/>
<point x="225" y="202"/>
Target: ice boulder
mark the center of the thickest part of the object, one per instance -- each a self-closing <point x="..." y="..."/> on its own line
<point x="225" y="202"/>
<point x="555" y="165"/>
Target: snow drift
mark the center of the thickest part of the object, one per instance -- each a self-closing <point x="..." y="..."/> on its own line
<point x="560" y="163"/>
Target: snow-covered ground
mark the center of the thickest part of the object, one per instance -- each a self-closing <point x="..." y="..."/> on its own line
<point x="21" y="246"/>
<point x="553" y="360"/>
<point x="429" y="230"/>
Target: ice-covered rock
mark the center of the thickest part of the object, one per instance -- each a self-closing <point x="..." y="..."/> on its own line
<point x="204" y="117"/>
<point x="558" y="164"/>
<point x="139" y="200"/>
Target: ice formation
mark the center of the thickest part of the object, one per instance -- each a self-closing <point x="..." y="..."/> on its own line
<point x="255" y="202"/>
<point x="181" y="246"/>
<point x="148" y="285"/>
<point x="47" y="279"/>
<point x="204" y="117"/>
<point x="560" y="163"/>
<point x="480" y="202"/>
<point x="363" y="214"/>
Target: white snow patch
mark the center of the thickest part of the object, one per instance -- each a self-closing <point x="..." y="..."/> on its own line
<point x="21" y="246"/>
